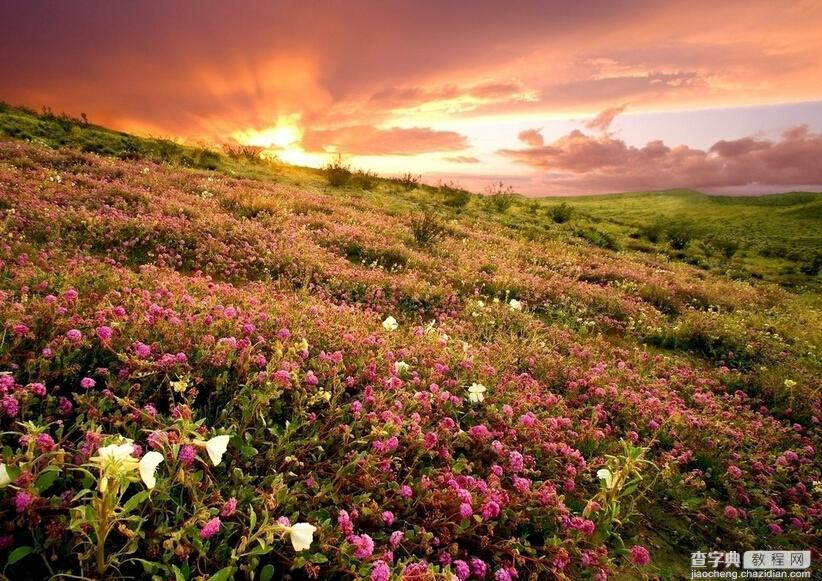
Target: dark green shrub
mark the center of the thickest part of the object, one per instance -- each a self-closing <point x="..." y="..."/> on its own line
<point x="453" y="195"/>
<point x="652" y="232"/>
<point x="599" y="238"/>
<point x="365" y="180"/>
<point x="426" y="228"/>
<point x="408" y="181"/>
<point x="337" y="173"/>
<point x="679" y="235"/>
<point x="500" y="197"/>
<point x="561" y="213"/>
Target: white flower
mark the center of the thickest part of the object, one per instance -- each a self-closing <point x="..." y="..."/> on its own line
<point x="113" y="453"/>
<point x="390" y="323"/>
<point x="515" y="305"/>
<point x="401" y="367"/>
<point x="5" y="479"/>
<point x="790" y="383"/>
<point x="302" y="535"/>
<point x="476" y="393"/>
<point x="606" y="475"/>
<point x="148" y="466"/>
<point x="216" y="447"/>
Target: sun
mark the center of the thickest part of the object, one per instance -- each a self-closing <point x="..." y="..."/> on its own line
<point x="284" y="134"/>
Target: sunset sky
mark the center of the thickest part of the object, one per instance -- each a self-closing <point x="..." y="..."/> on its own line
<point x="550" y="97"/>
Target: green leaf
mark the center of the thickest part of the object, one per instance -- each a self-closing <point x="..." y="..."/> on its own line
<point x="223" y="574"/>
<point x="135" y="501"/>
<point x="267" y="574"/>
<point x="45" y="480"/>
<point x="252" y="518"/>
<point x="18" y="553"/>
<point x="318" y="558"/>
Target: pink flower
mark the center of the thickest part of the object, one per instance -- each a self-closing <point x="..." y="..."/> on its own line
<point x="104" y="333"/>
<point x="388" y="517"/>
<point x="731" y="513"/>
<point x="87" y="383"/>
<point x="640" y="555"/>
<point x="45" y="443"/>
<point x="380" y="571"/>
<point x="21" y="330"/>
<point x="38" y="389"/>
<point x="364" y="546"/>
<point x="74" y="335"/>
<point x="396" y="538"/>
<point x="23" y="500"/>
<point x="465" y="510"/>
<point x="490" y="510"/>
<point x="211" y="528"/>
<point x="187" y="455"/>
<point x="229" y="508"/>
<point x="461" y="570"/>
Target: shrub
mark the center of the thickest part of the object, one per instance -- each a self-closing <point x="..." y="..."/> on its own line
<point x="337" y="173"/>
<point x="653" y="231"/>
<point x="679" y="235"/>
<point x="599" y="238"/>
<point x="365" y="180"/>
<point x="453" y="195"/>
<point x="242" y="151"/>
<point x="500" y="197"/>
<point x="408" y="181"/>
<point x="427" y="227"/>
<point x="561" y="213"/>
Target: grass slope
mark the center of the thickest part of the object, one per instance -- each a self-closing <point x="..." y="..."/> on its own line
<point x="636" y="406"/>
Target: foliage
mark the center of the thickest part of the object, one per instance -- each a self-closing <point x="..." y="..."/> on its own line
<point x="499" y="197"/>
<point x="337" y="172"/>
<point x="561" y="213"/>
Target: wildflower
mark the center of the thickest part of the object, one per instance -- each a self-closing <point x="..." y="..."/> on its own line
<point x="38" y="389"/>
<point x="461" y="570"/>
<point x="117" y="460"/>
<point x="606" y="476"/>
<point x="401" y="367"/>
<point x="211" y="528"/>
<point x="74" y="335"/>
<point x="229" y="508"/>
<point x="515" y="305"/>
<point x="21" y="330"/>
<point x="731" y="513"/>
<point x="364" y="546"/>
<point x="148" y="466"/>
<point x="390" y="323"/>
<point x="395" y="539"/>
<point x="465" y="510"/>
<point x="502" y="575"/>
<point x="790" y="383"/>
<point x="380" y="571"/>
<point x="5" y="478"/>
<point x="640" y="555"/>
<point x="45" y="443"/>
<point x="302" y="535"/>
<point x="87" y="383"/>
<point x="104" y="333"/>
<point x="23" y="500"/>
<point x="388" y="517"/>
<point x="490" y="510"/>
<point x="476" y="392"/>
<point x="479" y="568"/>
<point x="216" y="447"/>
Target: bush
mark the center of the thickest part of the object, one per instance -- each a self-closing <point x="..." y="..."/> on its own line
<point x="241" y="151"/>
<point x="679" y="235"/>
<point x="365" y="180"/>
<point x="408" y="181"/>
<point x="652" y="232"/>
<point x="337" y="173"/>
<point x="599" y="238"/>
<point x="426" y="228"/>
<point x="500" y="197"/>
<point x="453" y="195"/>
<point x="561" y="213"/>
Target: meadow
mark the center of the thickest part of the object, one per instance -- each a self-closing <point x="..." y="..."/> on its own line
<point x="214" y="366"/>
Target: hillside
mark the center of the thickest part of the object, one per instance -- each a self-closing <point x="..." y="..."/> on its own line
<point x="438" y="383"/>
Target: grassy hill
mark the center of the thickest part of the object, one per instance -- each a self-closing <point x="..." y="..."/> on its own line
<point x="439" y="383"/>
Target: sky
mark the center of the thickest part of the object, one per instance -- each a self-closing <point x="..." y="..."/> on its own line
<point x="553" y="98"/>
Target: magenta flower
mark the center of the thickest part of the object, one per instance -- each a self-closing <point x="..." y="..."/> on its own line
<point x="461" y="570"/>
<point x="388" y="517"/>
<point x="640" y="555"/>
<point x="22" y="500"/>
<point x="104" y="333"/>
<point x="380" y="571"/>
<point x="74" y="335"/>
<point x="364" y="546"/>
<point x="87" y="383"/>
<point x="211" y="528"/>
<point x="188" y="454"/>
<point x="229" y="508"/>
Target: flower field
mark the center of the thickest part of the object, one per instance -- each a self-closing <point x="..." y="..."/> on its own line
<point x="206" y="376"/>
